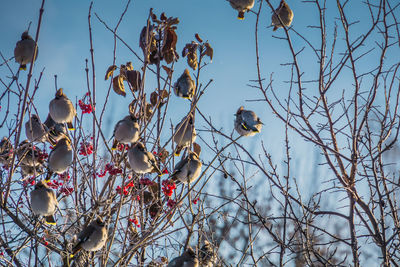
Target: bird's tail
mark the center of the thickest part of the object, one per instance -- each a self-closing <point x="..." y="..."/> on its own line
<point x="178" y="150"/>
<point x="50" y="220"/>
<point x="115" y="144"/>
<point x="70" y="126"/>
<point x="22" y="67"/>
<point x="275" y="28"/>
<point x="241" y="15"/>
<point x="75" y="250"/>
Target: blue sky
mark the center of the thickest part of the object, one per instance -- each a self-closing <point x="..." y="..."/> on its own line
<point x="64" y="46"/>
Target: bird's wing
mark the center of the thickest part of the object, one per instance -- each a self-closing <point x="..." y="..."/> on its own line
<point x="86" y="233"/>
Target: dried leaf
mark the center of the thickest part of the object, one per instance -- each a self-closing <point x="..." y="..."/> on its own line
<point x="110" y="71"/>
<point x="192" y="60"/>
<point x="168" y="49"/>
<point x="148" y="111"/>
<point x="169" y="71"/>
<point x="197" y="149"/>
<point x="209" y="51"/>
<point x="134" y="79"/>
<point x="163" y="17"/>
<point x="154" y="189"/>
<point x="155" y="209"/>
<point x="129" y="66"/>
<point x="198" y="37"/>
<point x="173" y="21"/>
<point x="163" y="155"/>
<point x="132" y="107"/>
<point x="118" y="85"/>
<point x="122" y="71"/>
<point x="164" y="94"/>
<point x="154" y="98"/>
<point x="150" y="55"/>
<point x="147" y="197"/>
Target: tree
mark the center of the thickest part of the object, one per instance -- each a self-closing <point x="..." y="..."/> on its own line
<point x="338" y="97"/>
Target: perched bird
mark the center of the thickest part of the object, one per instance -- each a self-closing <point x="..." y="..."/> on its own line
<point x="56" y="131"/>
<point x="25" y="50"/>
<point x="187" y="259"/>
<point x="30" y="170"/>
<point x="185" y="134"/>
<point x="242" y="6"/>
<point x="44" y="202"/>
<point x="185" y="86"/>
<point x="60" y="158"/>
<point x="126" y="131"/>
<point x="35" y="131"/>
<point x="285" y="14"/>
<point x="188" y="169"/>
<point x="6" y="151"/>
<point x="207" y="255"/>
<point x="29" y="155"/>
<point x="141" y="160"/>
<point x="247" y="123"/>
<point x="92" y="238"/>
<point x="62" y="110"/>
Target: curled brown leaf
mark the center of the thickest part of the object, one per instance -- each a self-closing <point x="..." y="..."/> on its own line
<point x="118" y="85"/>
<point x="110" y="71"/>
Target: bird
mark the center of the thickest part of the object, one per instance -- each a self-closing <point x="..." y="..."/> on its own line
<point x="187" y="259"/>
<point x="141" y="160"/>
<point x="6" y="151"/>
<point x="207" y="255"/>
<point x="285" y="14"/>
<point x="44" y="202"/>
<point x="56" y="131"/>
<point x="29" y="154"/>
<point x="188" y="169"/>
<point x="247" y="123"/>
<point x="62" y="110"/>
<point x="92" y="238"/>
<point x="185" y="86"/>
<point x="126" y="131"/>
<point x="35" y="131"/>
<point x="242" y="6"/>
<point x="185" y="134"/>
<point x="24" y="50"/>
<point x="27" y="170"/>
<point x="60" y="158"/>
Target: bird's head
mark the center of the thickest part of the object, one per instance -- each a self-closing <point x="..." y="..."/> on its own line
<point x="99" y="221"/>
<point x="25" y="36"/>
<point x="59" y="93"/>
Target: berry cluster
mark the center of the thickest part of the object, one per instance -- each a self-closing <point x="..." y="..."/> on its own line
<point x="86" y="148"/>
<point x="168" y="187"/>
<point x="86" y="108"/>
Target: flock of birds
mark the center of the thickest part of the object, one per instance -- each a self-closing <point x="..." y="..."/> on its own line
<point x="127" y="131"/>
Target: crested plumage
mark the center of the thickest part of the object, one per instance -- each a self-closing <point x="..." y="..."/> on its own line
<point x="185" y="133"/>
<point x="185" y="86"/>
<point x="30" y="170"/>
<point x="242" y="6"/>
<point x="44" y="202"/>
<point x="56" y="131"/>
<point x="24" y="50"/>
<point x="285" y="14"/>
<point x="92" y="238"/>
<point x="61" y="157"/>
<point x="61" y="109"/>
<point x="35" y="131"/>
<point x="188" y="169"/>
<point x="141" y="160"/>
<point x="247" y="123"/>
<point x="126" y="131"/>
